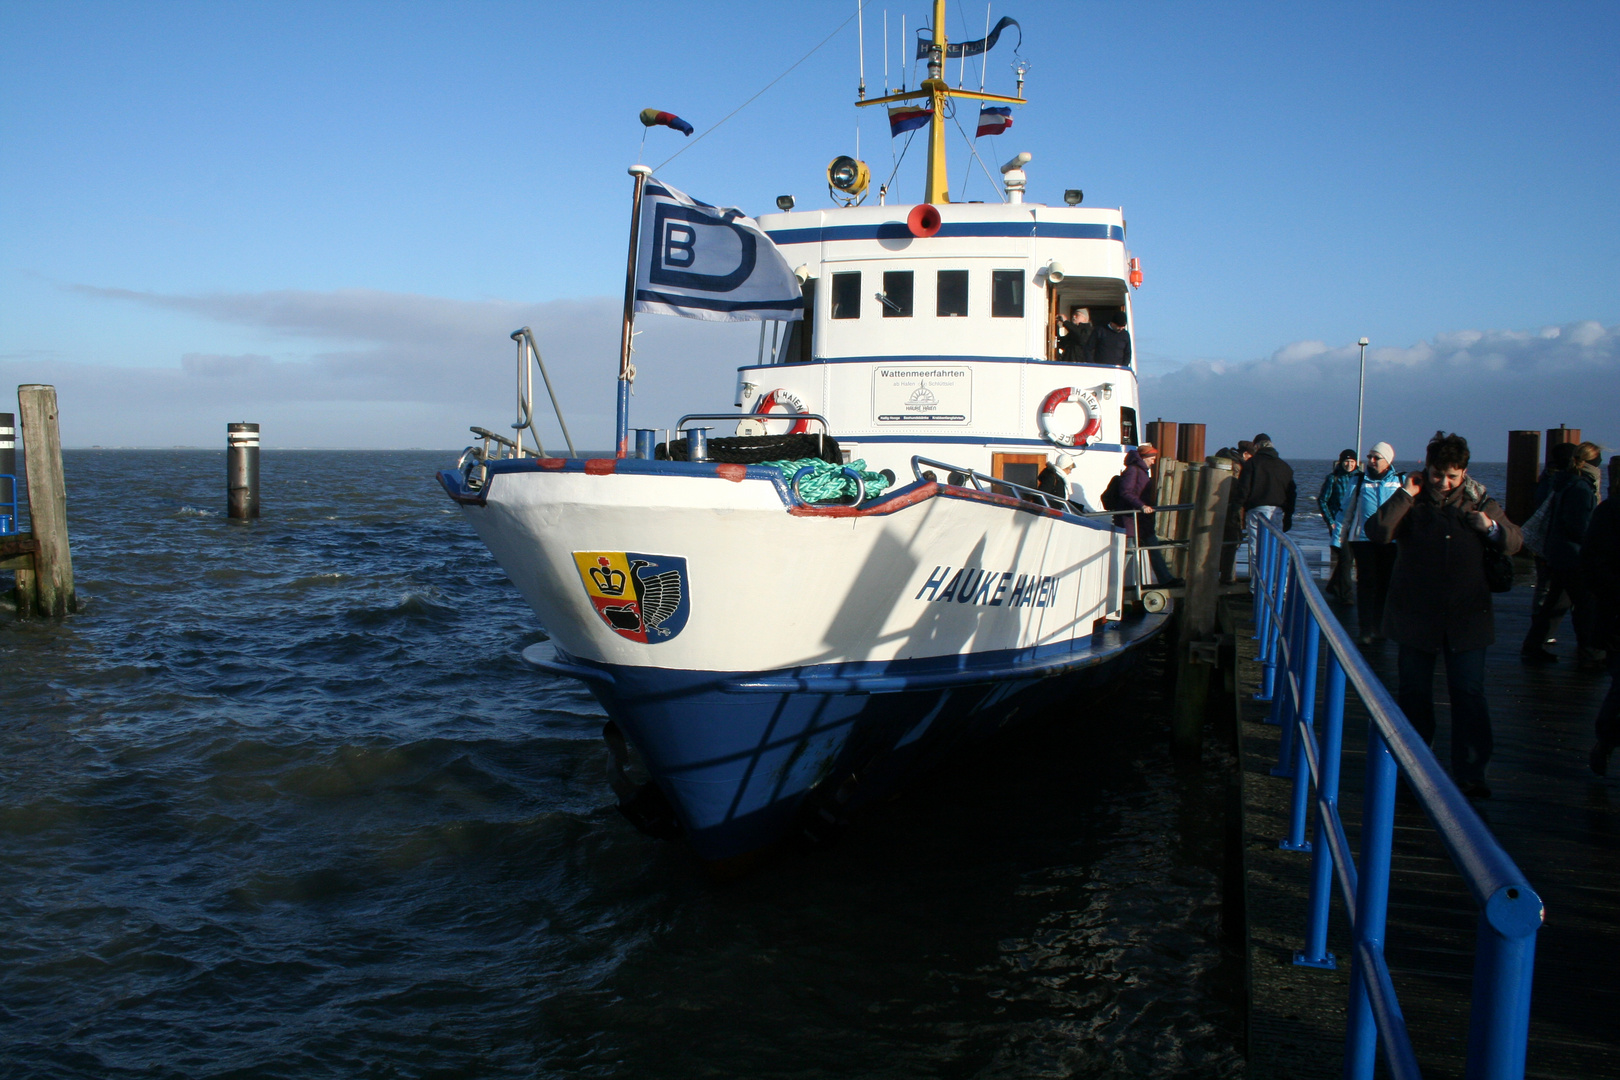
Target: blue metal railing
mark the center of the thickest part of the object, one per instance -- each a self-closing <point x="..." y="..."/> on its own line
<point x="1293" y="620"/>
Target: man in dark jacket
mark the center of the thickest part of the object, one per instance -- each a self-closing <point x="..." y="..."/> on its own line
<point x="1265" y="490"/>
<point x="1113" y="343"/>
<point x="1078" y="345"/>
<point x="1330" y="501"/>
<point x="1439" y="600"/>
<point x="1600" y="566"/>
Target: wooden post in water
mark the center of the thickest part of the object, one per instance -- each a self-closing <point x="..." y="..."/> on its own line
<point x="1523" y="466"/>
<point x="1197" y="646"/>
<point x="51" y="579"/>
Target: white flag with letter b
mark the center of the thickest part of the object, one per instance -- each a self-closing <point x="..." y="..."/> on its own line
<point x="709" y="262"/>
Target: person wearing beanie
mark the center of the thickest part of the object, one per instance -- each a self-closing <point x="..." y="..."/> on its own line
<point x="1265" y="490"/>
<point x="1113" y="342"/>
<point x="1374" y="562"/>
<point x="1330" y="503"/>
<point x="1133" y="493"/>
<point x="1053" y="473"/>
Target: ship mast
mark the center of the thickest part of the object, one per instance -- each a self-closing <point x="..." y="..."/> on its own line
<point x="937" y="92"/>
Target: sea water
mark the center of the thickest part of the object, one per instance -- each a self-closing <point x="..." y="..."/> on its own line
<point x="282" y="800"/>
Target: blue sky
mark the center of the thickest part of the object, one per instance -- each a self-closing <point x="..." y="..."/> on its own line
<point x="329" y="216"/>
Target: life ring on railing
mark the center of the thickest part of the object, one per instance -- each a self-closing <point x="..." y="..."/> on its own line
<point x="789" y="403"/>
<point x="1090" y="431"/>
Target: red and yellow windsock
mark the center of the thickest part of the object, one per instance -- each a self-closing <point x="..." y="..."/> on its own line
<point x="653" y="118"/>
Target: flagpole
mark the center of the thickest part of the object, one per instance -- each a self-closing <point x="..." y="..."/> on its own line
<point x="621" y="419"/>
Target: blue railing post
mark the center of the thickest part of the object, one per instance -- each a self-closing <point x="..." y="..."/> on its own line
<point x="1315" y="953"/>
<point x="1372" y="902"/>
<point x="1504" y="959"/>
<point x="1276" y="596"/>
<point x="1303" y="728"/>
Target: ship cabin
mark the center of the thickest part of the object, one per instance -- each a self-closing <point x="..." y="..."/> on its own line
<point x="949" y="344"/>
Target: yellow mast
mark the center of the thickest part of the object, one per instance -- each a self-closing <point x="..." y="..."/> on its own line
<point x="937" y="188"/>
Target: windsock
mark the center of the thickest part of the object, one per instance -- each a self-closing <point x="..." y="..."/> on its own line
<point x="652" y="118"/>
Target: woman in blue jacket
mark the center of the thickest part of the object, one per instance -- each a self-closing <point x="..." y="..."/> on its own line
<point x="1374" y="562"/>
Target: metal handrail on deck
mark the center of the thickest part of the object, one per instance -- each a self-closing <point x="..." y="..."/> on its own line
<point x="1293" y="619"/>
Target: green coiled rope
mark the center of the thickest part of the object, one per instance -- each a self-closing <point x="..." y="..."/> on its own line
<point x="827" y="482"/>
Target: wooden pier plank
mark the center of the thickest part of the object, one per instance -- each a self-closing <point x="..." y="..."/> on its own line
<point x="1558" y="821"/>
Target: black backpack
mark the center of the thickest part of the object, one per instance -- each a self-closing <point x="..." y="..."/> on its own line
<point x="1111" y="499"/>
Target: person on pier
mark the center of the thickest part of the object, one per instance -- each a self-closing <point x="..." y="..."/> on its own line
<point x="1374" y="562"/>
<point x="1600" y="566"/>
<point x="1330" y="503"/>
<point x="1445" y="526"/>
<point x="1570" y="503"/>
<point x="1264" y="490"/>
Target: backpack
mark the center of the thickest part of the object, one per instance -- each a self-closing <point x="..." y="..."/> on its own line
<point x="1111" y="499"/>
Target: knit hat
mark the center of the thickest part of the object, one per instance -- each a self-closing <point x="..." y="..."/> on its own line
<point x="1384" y="450"/>
<point x="1262" y="439"/>
<point x="1147" y="448"/>
<point x="1244" y="446"/>
<point x="1063" y="462"/>
<point x="1347" y="452"/>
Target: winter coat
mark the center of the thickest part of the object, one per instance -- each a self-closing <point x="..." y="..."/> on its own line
<point x="1113" y="347"/>
<point x="1267" y="480"/>
<point x="1051" y="481"/>
<point x="1079" y="345"/>
<point x="1438" y="596"/>
<point x="1600" y="570"/>
<point x="1575" y="493"/>
<point x="1133" y="491"/>
<point x="1331" y="499"/>
<point x="1365" y="499"/>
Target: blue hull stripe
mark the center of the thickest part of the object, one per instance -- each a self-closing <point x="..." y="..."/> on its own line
<point x="897" y="230"/>
<point x="743" y="758"/>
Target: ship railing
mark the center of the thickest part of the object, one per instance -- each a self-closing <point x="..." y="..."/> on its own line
<point x="1293" y="621"/>
<point x="1136" y="552"/>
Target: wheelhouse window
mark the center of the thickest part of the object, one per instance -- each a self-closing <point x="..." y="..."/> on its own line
<point x="1007" y="294"/>
<point x="897" y="294"/>
<point x="846" y="295"/>
<point x="953" y="293"/>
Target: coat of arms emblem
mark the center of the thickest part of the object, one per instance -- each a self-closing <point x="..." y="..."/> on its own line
<point x="641" y="597"/>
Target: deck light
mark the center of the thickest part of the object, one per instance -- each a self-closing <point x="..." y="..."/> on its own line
<point x="848" y="178"/>
<point x="1074" y="196"/>
<point x="1054" y="271"/>
<point x="784" y="203"/>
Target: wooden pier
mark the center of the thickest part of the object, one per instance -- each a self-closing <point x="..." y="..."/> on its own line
<point x="1552" y="815"/>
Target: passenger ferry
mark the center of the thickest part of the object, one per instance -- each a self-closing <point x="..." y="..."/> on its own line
<point x="772" y="658"/>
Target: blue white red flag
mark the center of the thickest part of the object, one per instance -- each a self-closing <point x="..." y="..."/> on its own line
<point x="907" y="118"/>
<point x="994" y="119"/>
<point x="709" y="262"/>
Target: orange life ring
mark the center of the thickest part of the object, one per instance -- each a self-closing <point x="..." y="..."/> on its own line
<point x="1090" y="432"/>
<point x="789" y="403"/>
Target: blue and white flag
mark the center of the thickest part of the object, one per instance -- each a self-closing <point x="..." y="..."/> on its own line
<point x="709" y="262"/>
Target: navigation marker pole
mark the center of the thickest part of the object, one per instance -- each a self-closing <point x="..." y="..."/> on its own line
<point x="1361" y="397"/>
<point x="627" y="371"/>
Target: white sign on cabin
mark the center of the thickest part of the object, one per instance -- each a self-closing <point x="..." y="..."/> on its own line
<point x="922" y="393"/>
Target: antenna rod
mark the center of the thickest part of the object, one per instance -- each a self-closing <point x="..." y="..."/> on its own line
<point x="984" y="56"/>
<point x="860" y="34"/>
<point x="885" y="52"/>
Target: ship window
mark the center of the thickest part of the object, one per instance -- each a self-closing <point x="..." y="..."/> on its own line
<point x="953" y="293"/>
<point x="846" y="295"/>
<point x="1007" y="294"/>
<point x="896" y="294"/>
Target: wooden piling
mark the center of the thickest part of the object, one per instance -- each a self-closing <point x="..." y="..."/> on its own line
<point x="51" y="579"/>
<point x="1561" y="434"/>
<point x="1197" y="645"/>
<point x="1523" y="466"/>
<point x="1190" y="443"/>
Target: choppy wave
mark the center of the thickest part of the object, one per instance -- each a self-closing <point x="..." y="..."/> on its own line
<point x="283" y="801"/>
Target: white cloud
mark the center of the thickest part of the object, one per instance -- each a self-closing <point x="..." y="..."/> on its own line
<point x="1480" y="383"/>
<point x="367" y="368"/>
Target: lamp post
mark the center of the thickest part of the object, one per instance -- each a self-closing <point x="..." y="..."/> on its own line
<point x="1361" y="396"/>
